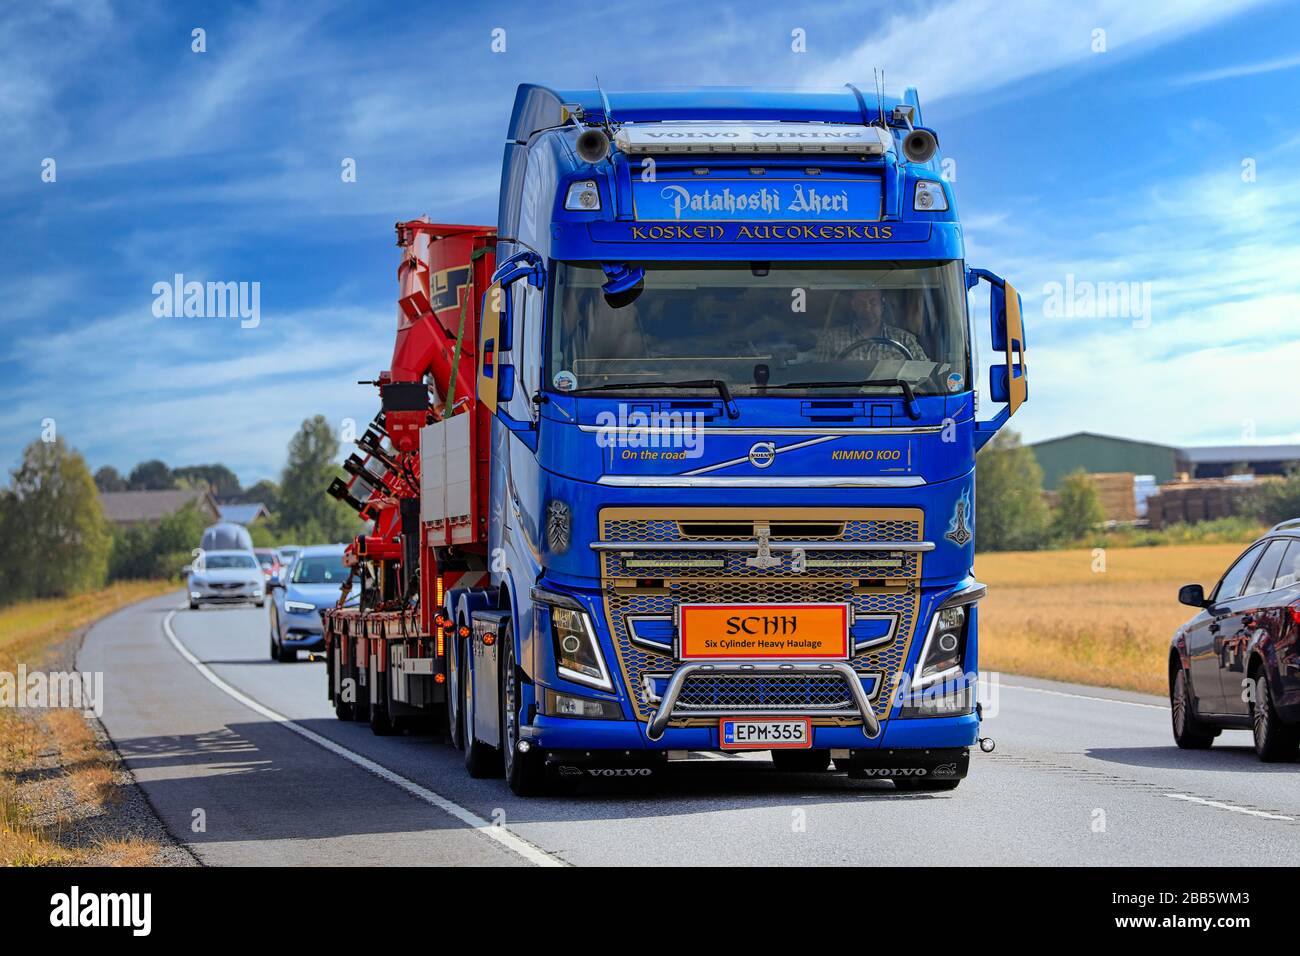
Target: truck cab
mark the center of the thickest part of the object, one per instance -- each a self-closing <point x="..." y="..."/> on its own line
<point x="729" y="365"/>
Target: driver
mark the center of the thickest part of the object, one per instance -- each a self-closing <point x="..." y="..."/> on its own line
<point x="866" y="334"/>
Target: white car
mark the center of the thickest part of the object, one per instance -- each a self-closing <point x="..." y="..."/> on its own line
<point x="226" y="577"/>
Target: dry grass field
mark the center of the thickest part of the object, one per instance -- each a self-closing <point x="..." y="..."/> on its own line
<point x="1092" y="618"/>
<point x="51" y="764"/>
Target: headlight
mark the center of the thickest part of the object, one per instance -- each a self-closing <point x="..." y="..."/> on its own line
<point x="577" y="652"/>
<point x="555" y="704"/>
<point x="942" y="654"/>
<point x="929" y="196"/>
<point x="941" y="687"/>
<point x="298" y="607"/>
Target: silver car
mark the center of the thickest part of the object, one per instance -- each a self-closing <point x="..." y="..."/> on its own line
<point x="226" y="577"/>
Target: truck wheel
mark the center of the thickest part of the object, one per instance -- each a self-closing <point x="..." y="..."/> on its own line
<point x="912" y="783"/>
<point x="361" y="706"/>
<point x="456" y="696"/>
<point x="1189" y="732"/>
<point x="525" y="772"/>
<point x="342" y="709"/>
<point x="1274" y="740"/>
<point x="480" y="760"/>
<point x="801" y="761"/>
<point x="381" y="724"/>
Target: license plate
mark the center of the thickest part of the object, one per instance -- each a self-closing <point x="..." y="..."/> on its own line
<point x="775" y="631"/>
<point x="741" y="733"/>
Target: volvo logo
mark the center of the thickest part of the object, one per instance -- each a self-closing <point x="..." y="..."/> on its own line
<point x="762" y="454"/>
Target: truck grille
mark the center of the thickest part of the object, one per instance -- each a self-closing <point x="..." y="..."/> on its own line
<point x="890" y="592"/>
<point x="802" y="693"/>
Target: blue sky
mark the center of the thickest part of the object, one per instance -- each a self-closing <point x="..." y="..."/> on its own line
<point x="1122" y="165"/>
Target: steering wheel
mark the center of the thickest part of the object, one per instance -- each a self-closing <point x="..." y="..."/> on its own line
<point x="875" y="340"/>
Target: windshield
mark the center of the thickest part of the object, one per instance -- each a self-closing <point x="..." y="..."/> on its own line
<point x="226" y="562"/>
<point x="758" y="325"/>
<point x="320" y="569"/>
<point x="266" y="560"/>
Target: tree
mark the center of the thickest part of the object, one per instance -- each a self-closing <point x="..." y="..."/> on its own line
<point x="57" y="541"/>
<point x="1276" y="501"/>
<point x="1009" y="511"/>
<point x="303" y="502"/>
<point x="223" y="482"/>
<point x="152" y="475"/>
<point x="1078" y="509"/>
<point x="266" y="492"/>
<point x="158" y="549"/>
<point x="109" y="478"/>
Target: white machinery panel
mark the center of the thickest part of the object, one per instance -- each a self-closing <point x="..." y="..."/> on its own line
<point x="445" y="472"/>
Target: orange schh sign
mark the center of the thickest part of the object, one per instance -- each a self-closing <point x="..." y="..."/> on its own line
<point x="776" y="631"/>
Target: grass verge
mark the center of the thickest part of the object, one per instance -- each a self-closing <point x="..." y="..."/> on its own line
<point x="54" y="770"/>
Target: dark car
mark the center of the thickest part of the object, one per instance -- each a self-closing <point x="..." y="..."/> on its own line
<point x="312" y="584"/>
<point x="1236" y="664"/>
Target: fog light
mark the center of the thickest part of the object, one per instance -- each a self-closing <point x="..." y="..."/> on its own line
<point x="555" y="704"/>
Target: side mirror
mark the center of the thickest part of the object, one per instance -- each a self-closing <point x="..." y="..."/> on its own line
<point x="1193" y="595"/>
<point x="1008" y="381"/>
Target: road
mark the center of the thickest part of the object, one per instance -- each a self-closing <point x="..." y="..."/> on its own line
<point x="245" y="763"/>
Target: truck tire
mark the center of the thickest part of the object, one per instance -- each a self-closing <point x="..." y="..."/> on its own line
<point x="1274" y="741"/>
<point x="381" y="722"/>
<point x="1189" y="732"/>
<point x="342" y="709"/>
<point x="525" y="772"/>
<point x="481" y="761"/>
<point x="456" y="696"/>
<point x="801" y="761"/>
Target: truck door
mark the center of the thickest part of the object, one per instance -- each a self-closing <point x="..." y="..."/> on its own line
<point x="1206" y="634"/>
<point x="1254" y="615"/>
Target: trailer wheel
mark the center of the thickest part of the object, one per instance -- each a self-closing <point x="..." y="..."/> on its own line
<point x="342" y="708"/>
<point x="381" y="723"/>
<point x="480" y="759"/>
<point x="525" y="772"/>
<point x="456" y="695"/>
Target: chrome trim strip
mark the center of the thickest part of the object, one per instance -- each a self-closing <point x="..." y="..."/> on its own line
<point x="632" y="620"/>
<point x="783" y="432"/>
<point x="870" y="725"/>
<point x="793" y="446"/>
<point x="711" y="544"/>
<point x="759" y="481"/>
<point x="969" y="595"/>
<point x="876" y="641"/>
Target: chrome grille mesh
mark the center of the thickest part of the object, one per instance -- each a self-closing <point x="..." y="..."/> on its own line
<point x="738" y="583"/>
<point x="803" y="693"/>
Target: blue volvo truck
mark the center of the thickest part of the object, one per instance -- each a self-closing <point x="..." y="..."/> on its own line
<point x="727" y="366"/>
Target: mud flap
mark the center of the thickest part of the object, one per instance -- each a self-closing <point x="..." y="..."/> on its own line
<point x="949" y="763"/>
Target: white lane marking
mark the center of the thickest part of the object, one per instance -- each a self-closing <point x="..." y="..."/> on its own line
<point x="503" y="836"/>
<point x="1228" y="806"/>
<point x="1062" y="693"/>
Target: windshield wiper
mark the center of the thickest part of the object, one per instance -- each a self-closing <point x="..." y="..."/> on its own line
<point x="909" y="396"/>
<point x="733" y="411"/>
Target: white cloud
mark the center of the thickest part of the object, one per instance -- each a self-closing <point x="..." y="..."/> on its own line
<point x="962" y="47"/>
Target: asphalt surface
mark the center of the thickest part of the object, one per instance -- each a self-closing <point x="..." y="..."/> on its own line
<point x="244" y="763"/>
